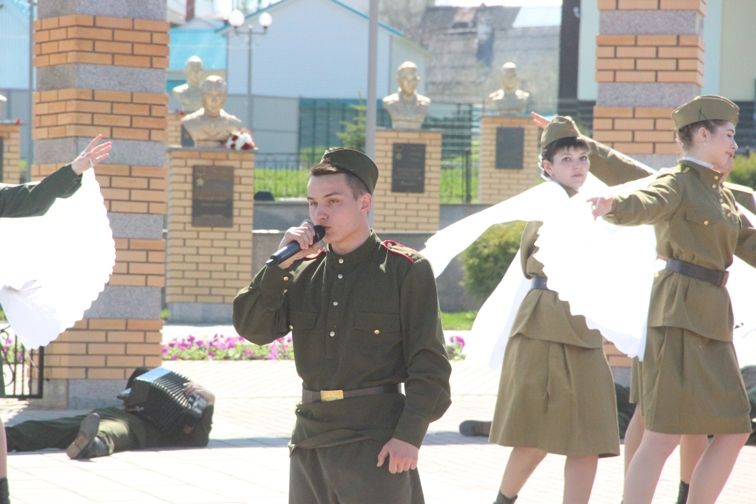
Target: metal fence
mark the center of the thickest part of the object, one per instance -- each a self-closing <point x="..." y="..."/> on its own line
<point x="22" y="374"/>
<point x="284" y="175"/>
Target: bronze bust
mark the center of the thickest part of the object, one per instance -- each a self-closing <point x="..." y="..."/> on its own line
<point x="406" y="107"/>
<point x="211" y="125"/>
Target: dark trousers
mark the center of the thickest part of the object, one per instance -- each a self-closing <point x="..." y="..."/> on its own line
<point x="119" y="430"/>
<point x="347" y="474"/>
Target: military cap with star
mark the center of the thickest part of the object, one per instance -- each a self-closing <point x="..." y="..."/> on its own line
<point x="705" y="108"/>
<point x="354" y="162"/>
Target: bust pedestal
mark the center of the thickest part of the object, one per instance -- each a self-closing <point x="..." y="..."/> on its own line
<point x="209" y="243"/>
<point x="407" y="197"/>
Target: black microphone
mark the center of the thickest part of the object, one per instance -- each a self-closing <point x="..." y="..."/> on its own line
<point x="292" y="248"/>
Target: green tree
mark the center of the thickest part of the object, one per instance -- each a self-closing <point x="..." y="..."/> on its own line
<point x="744" y="171"/>
<point x="353" y="135"/>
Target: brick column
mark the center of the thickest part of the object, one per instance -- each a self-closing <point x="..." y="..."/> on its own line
<point x="10" y="133"/>
<point x="649" y="60"/>
<point x="101" y="69"/>
<point x="407" y="211"/>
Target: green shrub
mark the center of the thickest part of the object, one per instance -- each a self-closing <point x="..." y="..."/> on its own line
<point x="353" y="135"/>
<point x="744" y="171"/>
<point x="487" y="259"/>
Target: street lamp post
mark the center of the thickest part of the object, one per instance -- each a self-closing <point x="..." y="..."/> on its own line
<point x="237" y="19"/>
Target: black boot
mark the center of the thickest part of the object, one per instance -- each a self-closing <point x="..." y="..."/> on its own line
<point x="503" y="499"/>
<point x="475" y="428"/>
<point x="4" y="494"/>
<point x="682" y="494"/>
<point x="85" y="438"/>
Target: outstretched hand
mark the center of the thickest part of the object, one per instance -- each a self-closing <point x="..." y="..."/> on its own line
<point x="600" y="206"/>
<point x="94" y="153"/>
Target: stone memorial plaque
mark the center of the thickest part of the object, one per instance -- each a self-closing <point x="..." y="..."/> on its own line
<point x="509" y="148"/>
<point x="186" y="138"/>
<point x="212" y="196"/>
<point x="408" y="168"/>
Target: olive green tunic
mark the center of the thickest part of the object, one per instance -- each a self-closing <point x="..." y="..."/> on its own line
<point x="613" y="167"/>
<point x="691" y="383"/>
<point x="358" y="320"/>
<point x="30" y="200"/>
<point x="573" y="411"/>
<point x="556" y="391"/>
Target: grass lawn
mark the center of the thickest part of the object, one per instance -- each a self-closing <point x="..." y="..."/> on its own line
<point x="458" y="320"/>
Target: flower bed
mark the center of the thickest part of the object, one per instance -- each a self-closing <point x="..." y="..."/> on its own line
<point x="221" y="347"/>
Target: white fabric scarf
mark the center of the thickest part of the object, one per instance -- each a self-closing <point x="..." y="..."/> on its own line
<point x="54" y="266"/>
<point x="604" y="271"/>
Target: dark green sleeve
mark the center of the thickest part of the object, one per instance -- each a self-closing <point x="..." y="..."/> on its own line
<point x="427" y="387"/>
<point x="30" y="200"/>
<point x="260" y="312"/>
<point x="612" y="167"/>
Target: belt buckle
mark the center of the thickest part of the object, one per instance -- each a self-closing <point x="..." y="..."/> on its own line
<point x="331" y="395"/>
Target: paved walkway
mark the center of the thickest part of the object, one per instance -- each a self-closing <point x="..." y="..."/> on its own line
<point x="247" y="460"/>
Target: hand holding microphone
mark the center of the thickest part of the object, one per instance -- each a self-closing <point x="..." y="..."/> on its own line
<point x="296" y="243"/>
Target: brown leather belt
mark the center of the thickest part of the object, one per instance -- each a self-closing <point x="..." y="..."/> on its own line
<point x="311" y="396"/>
<point x="539" y="282"/>
<point x="716" y="277"/>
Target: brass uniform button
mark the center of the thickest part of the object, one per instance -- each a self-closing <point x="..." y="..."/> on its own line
<point x="706" y="223"/>
<point x="377" y="332"/>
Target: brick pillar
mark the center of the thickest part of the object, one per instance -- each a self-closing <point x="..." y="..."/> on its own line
<point x="101" y="69"/>
<point x="649" y="60"/>
<point x="498" y="183"/>
<point x="207" y="264"/>
<point x="10" y="134"/>
<point x="407" y="211"/>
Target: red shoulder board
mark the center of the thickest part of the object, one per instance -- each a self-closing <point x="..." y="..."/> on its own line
<point x="315" y="255"/>
<point x="400" y="250"/>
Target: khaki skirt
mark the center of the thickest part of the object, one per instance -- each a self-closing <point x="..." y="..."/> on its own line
<point x="692" y="385"/>
<point x="556" y="397"/>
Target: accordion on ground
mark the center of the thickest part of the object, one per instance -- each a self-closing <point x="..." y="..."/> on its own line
<point x="158" y="396"/>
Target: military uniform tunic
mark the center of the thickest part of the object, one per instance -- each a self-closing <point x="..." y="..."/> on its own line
<point x="690" y="378"/>
<point x="556" y="391"/>
<point x="362" y="319"/>
<point x="556" y="354"/>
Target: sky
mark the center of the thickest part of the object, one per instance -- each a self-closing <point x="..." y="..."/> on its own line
<point x="508" y="3"/>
